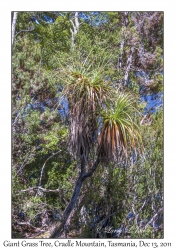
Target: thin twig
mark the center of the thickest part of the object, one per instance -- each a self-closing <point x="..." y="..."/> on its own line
<point x="44" y="190"/>
<point x="154" y="217"/>
<point x="45" y="165"/>
<point x="31" y="29"/>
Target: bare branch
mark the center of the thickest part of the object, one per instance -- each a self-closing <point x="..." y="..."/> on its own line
<point x="30" y="29"/>
<point x="44" y="190"/>
<point x="144" y="203"/>
<point x="72" y="25"/>
<point x="128" y="66"/>
<point x="32" y="228"/>
<point x="45" y="165"/>
<point x="154" y="217"/>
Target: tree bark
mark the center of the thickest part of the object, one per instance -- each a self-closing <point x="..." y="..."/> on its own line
<point x="58" y="230"/>
<point x="15" y="15"/>
<point x="121" y="54"/>
<point x="75" y="28"/>
<point x="128" y="66"/>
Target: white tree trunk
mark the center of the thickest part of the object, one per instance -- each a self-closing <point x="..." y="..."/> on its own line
<point x="15" y="15"/>
<point x="121" y="54"/>
<point x="128" y="66"/>
<point x="75" y="28"/>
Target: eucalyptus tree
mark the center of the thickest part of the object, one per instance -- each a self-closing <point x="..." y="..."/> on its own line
<point x="136" y="39"/>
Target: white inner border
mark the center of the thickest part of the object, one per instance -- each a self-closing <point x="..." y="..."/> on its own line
<point x="168" y="7"/>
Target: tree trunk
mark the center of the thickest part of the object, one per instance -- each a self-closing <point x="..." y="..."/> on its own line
<point x="75" y="28"/>
<point x="15" y="15"/>
<point x="128" y="66"/>
<point x="121" y="54"/>
<point x="58" y="230"/>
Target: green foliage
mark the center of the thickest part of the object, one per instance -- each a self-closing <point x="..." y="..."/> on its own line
<point x="46" y="71"/>
<point x="119" y="131"/>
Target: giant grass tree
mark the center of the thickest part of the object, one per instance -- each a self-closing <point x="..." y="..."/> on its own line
<point x="101" y="124"/>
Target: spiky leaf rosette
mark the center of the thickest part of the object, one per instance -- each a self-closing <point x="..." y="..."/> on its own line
<point x="86" y="91"/>
<point x="119" y="132"/>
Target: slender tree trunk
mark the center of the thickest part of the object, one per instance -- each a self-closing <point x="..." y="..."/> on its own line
<point x="75" y="29"/>
<point x="121" y="54"/>
<point x="58" y="230"/>
<point x="125" y="24"/>
<point x="128" y="66"/>
<point x="15" y="15"/>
